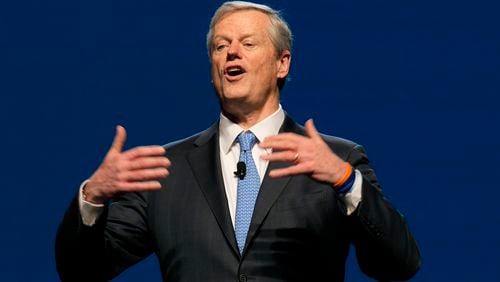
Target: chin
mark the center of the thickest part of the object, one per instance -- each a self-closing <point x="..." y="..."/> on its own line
<point x="234" y="94"/>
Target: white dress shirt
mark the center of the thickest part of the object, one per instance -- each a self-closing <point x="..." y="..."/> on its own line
<point x="229" y="157"/>
<point x="230" y="151"/>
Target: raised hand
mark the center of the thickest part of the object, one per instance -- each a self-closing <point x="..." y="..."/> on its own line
<point x="310" y="155"/>
<point x="137" y="169"/>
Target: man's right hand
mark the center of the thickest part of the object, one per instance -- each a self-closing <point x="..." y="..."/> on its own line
<point x="138" y="169"/>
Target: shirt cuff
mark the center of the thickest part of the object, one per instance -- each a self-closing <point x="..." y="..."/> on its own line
<point x="90" y="212"/>
<point x="353" y="197"/>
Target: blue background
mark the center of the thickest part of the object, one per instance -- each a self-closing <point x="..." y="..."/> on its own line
<point x="415" y="82"/>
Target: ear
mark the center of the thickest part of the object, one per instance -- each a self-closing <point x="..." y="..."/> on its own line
<point x="284" y="64"/>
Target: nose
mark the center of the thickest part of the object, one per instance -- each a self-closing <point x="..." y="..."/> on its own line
<point x="234" y="51"/>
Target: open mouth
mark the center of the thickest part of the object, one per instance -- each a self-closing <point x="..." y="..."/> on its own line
<point x="234" y="71"/>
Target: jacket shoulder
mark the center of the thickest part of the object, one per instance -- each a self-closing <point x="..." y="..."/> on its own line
<point x="338" y="141"/>
<point x="341" y="146"/>
<point x="188" y="143"/>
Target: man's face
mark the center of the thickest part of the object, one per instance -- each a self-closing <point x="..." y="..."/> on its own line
<point x="245" y="66"/>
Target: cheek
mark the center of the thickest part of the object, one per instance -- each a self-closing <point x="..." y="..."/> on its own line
<point x="214" y="71"/>
<point x="215" y="64"/>
<point x="216" y="78"/>
<point x="267" y="70"/>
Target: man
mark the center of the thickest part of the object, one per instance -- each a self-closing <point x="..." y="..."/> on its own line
<point x="289" y="212"/>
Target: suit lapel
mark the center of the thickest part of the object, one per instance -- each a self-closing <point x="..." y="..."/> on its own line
<point x="271" y="188"/>
<point x="205" y="163"/>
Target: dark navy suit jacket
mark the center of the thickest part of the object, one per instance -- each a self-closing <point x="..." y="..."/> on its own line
<point x="299" y="230"/>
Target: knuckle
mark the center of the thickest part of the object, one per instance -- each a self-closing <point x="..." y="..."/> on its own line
<point x="117" y="187"/>
<point x="121" y="166"/>
<point x="309" y="166"/>
<point x="120" y="176"/>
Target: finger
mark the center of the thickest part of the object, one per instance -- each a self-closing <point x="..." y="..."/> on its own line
<point x="144" y="174"/>
<point x="311" y="130"/>
<point x="291" y="170"/>
<point x="144" y="151"/>
<point x="148" y="162"/>
<point x="289" y="137"/>
<point x="140" y="186"/>
<point x="279" y="144"/>
<point x="287" y="156"/>
<point x="119" y="140"/>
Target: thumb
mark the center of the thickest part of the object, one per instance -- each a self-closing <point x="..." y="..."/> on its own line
<point x="119" y="141"/>
<point x="311" y="130"/>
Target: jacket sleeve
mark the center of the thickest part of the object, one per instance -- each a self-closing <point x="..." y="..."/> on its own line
<point x="102" y="251"/>
<point x="385" y="248"/>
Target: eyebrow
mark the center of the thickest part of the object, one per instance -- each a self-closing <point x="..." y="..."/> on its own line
<point x="224" y="37"/>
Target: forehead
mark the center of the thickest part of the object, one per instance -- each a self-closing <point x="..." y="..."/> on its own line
<point x="244" y="21"/>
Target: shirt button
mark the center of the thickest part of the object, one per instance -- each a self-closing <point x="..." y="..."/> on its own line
<point x="243" y="278"/>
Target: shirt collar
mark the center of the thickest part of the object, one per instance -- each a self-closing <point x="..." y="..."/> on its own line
<point x="228" y="130"/>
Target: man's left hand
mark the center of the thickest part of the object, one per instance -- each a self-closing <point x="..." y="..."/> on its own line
<point x="309" y="155"/>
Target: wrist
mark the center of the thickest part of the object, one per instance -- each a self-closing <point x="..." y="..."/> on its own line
<point x="345" y="171"/>
<point x="89" y="195"/>
<point x="345" y="182"/>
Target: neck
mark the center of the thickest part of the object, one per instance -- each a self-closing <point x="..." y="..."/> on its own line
<point x="247" y="116"/>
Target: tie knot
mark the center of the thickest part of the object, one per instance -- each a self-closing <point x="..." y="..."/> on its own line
<point x="247" y="139"/>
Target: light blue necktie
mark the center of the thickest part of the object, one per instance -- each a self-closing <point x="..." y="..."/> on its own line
<point x="248" y="188"/>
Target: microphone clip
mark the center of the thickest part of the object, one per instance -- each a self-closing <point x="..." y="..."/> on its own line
<point x="241" y="170"/>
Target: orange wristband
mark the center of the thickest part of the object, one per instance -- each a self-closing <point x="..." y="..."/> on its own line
<point x="344" y="177"/>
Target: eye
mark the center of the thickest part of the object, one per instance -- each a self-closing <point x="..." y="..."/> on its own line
<point x="248" y="44"/>
<point x="220" y="47"/>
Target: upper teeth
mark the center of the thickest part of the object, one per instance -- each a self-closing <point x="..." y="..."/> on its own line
<point x="232" y="69"/>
